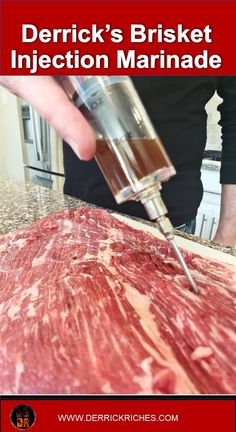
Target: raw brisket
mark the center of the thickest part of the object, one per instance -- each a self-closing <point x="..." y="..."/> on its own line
<point x="90" y="305"/>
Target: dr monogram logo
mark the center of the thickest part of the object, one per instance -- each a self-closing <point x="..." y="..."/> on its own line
<point x="22" y="417"/>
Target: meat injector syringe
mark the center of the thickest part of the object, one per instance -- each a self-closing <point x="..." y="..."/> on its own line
<point x="129" y="151"/>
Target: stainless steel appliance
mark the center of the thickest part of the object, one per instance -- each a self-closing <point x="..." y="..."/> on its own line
<point x="42" y="151"/>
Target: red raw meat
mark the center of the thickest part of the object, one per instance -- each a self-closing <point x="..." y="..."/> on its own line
<point x="90" y="305"/>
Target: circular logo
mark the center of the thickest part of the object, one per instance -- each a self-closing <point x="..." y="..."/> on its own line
<point x="22" y="417"/>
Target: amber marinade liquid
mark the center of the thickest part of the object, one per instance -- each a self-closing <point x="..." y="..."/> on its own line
<point x="144" y="157"/>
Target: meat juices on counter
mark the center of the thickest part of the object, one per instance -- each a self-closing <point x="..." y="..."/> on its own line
<point x="91" y="305"/>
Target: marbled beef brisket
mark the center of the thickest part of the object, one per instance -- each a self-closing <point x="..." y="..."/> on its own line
<point x="90" y="305"/>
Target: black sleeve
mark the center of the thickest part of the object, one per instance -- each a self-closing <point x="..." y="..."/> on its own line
<point x="226" y="89"/>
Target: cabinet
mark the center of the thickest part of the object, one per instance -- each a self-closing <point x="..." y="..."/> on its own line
<point x="209" y="210"/>
<point x="11" y="157"/>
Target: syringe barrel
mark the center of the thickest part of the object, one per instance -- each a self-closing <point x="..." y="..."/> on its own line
<point x="129" y="151"/>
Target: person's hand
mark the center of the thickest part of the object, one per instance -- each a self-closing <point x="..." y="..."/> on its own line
<point x="51" y="102"/>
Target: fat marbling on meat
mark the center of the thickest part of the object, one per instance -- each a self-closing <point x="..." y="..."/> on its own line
<point x="91" y="305"/>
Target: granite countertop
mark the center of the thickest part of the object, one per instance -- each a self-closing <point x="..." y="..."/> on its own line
<point x="211" y="165"/>
<point x="24" y="203"/>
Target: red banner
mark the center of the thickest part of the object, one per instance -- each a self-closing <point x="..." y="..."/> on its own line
<point x="118" y="37"/>
<point x="118" y="415"/>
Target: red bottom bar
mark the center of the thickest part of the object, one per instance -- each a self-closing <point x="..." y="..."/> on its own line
<point x="118" y="415"/>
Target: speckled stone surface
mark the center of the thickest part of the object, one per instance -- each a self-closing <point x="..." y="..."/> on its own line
<point x="211" y="165"/>
<point x="24" y="203"/>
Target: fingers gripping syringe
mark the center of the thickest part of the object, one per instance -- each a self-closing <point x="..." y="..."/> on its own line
<point x="129" y="151"/>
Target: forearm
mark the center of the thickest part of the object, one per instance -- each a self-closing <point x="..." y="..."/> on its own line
<point x="226" y="231"/>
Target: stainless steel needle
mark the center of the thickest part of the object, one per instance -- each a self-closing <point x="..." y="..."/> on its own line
<point x="166" y="229"/>
<point x="183" y="264"/>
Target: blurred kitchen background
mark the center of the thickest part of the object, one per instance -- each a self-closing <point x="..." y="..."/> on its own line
<point x="31" y="151"/>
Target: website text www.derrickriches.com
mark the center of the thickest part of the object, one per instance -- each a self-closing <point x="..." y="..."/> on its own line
<point x="92" y="417"/>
